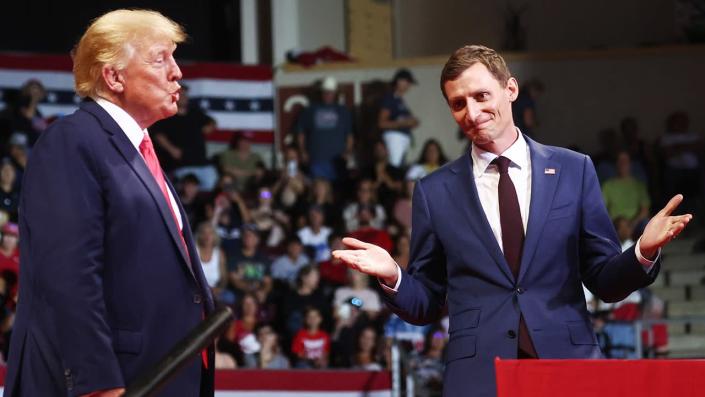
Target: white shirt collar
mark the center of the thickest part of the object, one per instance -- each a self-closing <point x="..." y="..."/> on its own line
<point x="518" y="154"/>
<point x="123" y="119"/>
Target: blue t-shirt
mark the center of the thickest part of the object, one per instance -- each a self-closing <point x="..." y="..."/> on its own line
<point x="397" y="109"/>
<point x="326" y="128"/>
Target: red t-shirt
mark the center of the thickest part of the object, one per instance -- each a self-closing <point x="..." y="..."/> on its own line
<point x="311" y="346"/>
<point x="334" y="271"/>
<point x="374" y="236"/>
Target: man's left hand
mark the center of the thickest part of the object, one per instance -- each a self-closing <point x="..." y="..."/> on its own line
<point x="663" y="228"/>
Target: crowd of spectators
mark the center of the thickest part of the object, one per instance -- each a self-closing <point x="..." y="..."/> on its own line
<point x="264" y="234"/>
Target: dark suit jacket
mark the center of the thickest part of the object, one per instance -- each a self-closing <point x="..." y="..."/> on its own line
<point x="455" y="256"/>
<point x="106" y="287"/>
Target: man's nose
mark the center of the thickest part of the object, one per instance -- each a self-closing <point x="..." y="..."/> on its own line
<point x="175" y="72"/>
<point x="472" y="110"/>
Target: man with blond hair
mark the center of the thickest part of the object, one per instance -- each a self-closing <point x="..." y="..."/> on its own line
<point x="504" y="235"/>
<point x="111" y="279"/>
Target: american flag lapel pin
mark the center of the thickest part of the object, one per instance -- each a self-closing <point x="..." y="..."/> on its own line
<point x="549" y="171"/>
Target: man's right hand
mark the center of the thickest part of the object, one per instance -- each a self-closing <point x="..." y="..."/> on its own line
<point x="370" y="259"/>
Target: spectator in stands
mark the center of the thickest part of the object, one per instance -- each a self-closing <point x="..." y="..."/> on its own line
<point x="367" y="355"/>
<point x="9" y="192"/>
<point x="359" y="288"/>
<point x="305" y="294"/>
<point x="654" y="336"/>
<point x="401" y="212"/>
<point x="386" y="178"/>
<point x="239" y="160"/>
<point x="7" y="315"/>
<point x="270" y="355"/>
<point x="287" y="266"/>
<point x="395" y="119"/>
<point x="18" y="154"/>
<point x="193" y="203"/>
<point x="229" y="214"/>
<point x="223" y="360"/>
<point x="212" y="259"/>
<point x="681" y="150"/>
<point x="291" y="186"/>
<point x="431" y="158"/>
<point x="242" y="329"/>
<point x="334" y="273"/>
<point x="350" y="320"/>
<point x="324" y="133"/>
<point x="625" y="196"/>
<point x="365" y="196"/>
<point x="10" y="258"/>
<point x="24" y="115"/>
<point x="402" y="244"/>
<point x="272" y="223"/>
<point x="395" y="328"/>
<point x="367" y="232"/>
<point x="638" y="150"/>
<point x="311" y="345"/>
<point x="182" y="142"/>
<point x="249" y="269"/>
<point x="524" y="107"/>
<point x="315" y="235"/>
<point x="625" y="232"/>
<point x="605" y="158"/>
<point x="428" y="368"/>
<point x="321" y="195"/>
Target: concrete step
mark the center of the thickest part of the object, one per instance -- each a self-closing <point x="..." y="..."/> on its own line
<point x="660" y="281"/>
<point x="697" y="292"/>
<point x="685" y="277"/>
<point x="694" y="344"/>
<point x="687" y="354"/>
<point x="670" y="294"/>
<point x="684" y="262"/>
<point x="695" y="329"/>
<point x="679" y="309"/>
<point x="679" y="246"/>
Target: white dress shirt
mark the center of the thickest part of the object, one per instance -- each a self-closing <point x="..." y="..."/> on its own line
<point x="486" y="178"/>
<point x="135" y="134"/>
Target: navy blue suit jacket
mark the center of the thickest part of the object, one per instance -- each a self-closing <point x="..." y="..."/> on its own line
<point x="106" y="286"/>
<point x="455" y="257"/>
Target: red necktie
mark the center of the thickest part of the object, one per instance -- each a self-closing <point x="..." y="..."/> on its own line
<point x="150" y="158"/>
<point x="512" y="241"/>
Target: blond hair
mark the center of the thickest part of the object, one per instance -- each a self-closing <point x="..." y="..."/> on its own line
<point x="111" y="39"/>
<point x="466" y="56"/>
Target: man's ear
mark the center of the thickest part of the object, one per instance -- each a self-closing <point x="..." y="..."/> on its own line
<point x="512" y="89"/>
<point x="113" y="79"/>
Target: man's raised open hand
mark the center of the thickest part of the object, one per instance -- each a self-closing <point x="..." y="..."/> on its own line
<point x="368" y="258"/>
<point x="663" y="228"/>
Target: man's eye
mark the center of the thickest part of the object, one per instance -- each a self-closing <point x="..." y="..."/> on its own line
<point x="483" y="96"/>
<point x="457" y="105"/>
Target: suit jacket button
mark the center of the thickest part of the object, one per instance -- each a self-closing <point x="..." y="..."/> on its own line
<point x="197" y="299"/>
<point x="67" y="372"/>
<point x="511" y="334"/>
<point x="520" y="290"/>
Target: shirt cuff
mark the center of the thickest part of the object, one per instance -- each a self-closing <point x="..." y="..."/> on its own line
<point x="389" y="289"/>
<point x="646" y="263"/>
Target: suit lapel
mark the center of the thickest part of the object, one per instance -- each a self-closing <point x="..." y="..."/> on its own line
<point x="133" y="158"/>
<point x="463" y="187"/>
<point x="544" y="180"/>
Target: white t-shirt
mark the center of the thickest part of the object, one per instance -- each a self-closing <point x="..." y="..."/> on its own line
<point x="319" y="242"/>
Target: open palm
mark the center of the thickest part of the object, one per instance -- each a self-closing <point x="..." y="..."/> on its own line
<point x="663" y="228"/>
<point x="368" y="258"/>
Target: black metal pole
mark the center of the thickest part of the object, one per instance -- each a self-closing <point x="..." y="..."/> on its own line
<point x="181" y="354"/>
